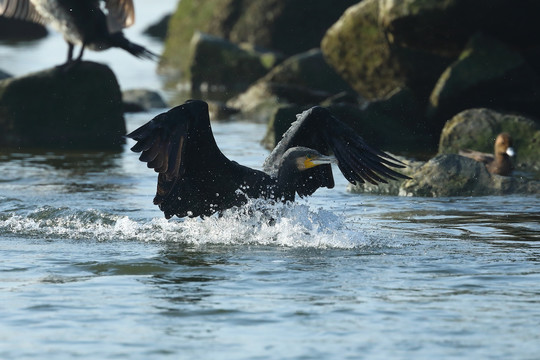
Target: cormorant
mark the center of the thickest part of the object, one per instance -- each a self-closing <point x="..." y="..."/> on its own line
<point x="82" y="22"/>
<point x="499" y="162"/>
<point x="196" y="179"/>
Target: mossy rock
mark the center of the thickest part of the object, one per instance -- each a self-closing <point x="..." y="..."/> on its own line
<point x="222" y="65"/>
<point x="488" y="73"/>
<point x="302" y="80"/>
<point x="356" y="47"/>
<point x="444" y="26"/>
<point x="454" y="175"/>
<point x="477" y="129"/>
<point x="190" y="16"/>
<point x="286" y="26"/>
<point x="77" y="107"/>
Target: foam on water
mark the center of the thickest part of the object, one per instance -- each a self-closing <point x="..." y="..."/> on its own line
<point x="257" y="223"/>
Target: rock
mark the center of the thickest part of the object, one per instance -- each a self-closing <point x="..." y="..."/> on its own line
<point x="389" y="123"/>
<point x="357" y="47"/>
<point x="477" y="129"/>
<point x="488" y="73"/>
<point x="159" y="29"/>
<point x="285" y="26"/>
<point x="310" y="70"/>
<point x="280" y="120"/>
<point x="220" y="111"/>
<point x="301" y="80"/>
<point x="4" y="75"/>
<point x="396" y="123"/>
<point x="142" y="100"/>
<point x="18" y="30"/>
<point x="79" y="107"/>
<point x="455" y="175"/>
<point x="222" y="66"/>
<point x="435" y="26"/>
<point x="443" y="27"/>
<point x="263" y="98"/>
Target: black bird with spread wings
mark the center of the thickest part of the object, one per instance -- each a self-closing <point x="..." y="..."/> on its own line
<point x="196" y="179"/>
<point x="82" y="22"/>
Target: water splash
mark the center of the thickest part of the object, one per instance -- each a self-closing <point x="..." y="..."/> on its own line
<point x="257" y="223"/>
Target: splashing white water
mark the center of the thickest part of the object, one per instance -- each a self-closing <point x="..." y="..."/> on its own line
<point x="257" y="223"/>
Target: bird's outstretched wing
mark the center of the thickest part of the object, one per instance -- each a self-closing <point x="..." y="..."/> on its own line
<point x="318" y="129"/>
<point x="195" y="178"/>
<point x="477" y="155"/>
<point x="20" y="9"/>
<point x="120" y="14"/>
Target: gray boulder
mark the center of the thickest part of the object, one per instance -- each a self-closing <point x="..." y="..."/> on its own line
<point x="477" y="129"/>
<point x="142" y="100"/>
<point x="77" y="107"/>
<point x="158" y="30"/>
<point x="301" y="80"/>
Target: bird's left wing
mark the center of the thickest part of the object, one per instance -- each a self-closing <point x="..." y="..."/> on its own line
<point x="162" y="144"/>
<point x="20" y="9"/>
<point x="121" y="14"/>
<point x="318" y="129"/>
<point x="195" y="178"/>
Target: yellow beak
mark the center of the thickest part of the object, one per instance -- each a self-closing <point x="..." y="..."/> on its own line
<point x="321" y="160"/>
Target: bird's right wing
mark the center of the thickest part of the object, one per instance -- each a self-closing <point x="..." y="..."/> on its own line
<point x="318" y="129"/>
<point x="121" y="14"/>
<point x="20" y="9"/>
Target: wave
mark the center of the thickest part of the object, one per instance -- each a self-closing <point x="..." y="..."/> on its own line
<point x="257" y="223"/>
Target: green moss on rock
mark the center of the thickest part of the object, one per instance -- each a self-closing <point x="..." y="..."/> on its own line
<point x="357" y="49"/>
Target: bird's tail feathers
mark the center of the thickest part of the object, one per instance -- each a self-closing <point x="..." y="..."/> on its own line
<point x="119" y="40"/>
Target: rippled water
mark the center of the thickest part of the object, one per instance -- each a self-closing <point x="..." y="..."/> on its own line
<point x="89" y="268"/>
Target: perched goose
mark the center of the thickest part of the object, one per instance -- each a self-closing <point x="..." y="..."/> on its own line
<point x="498" y="163"/>
<point x="196" y="179"/>
<point x="82" y="22"/>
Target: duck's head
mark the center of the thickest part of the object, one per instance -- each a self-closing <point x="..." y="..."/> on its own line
<point x="503" y="145"/>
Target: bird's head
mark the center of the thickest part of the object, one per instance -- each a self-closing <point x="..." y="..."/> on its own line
<point x="305" y="158"/>
<point x="503" y="145"/>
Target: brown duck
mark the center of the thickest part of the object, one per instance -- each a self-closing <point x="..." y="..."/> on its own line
<point x="498" y="163"/>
